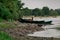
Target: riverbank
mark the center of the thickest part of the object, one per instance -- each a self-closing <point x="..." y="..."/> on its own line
<point x="23" y="29"/>
<point x="19" y="30"/>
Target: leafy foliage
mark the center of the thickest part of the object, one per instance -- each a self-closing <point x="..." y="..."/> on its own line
<point x="36" y="12"/>
<point x="4" y="12"/>
<point x="45" y="11"/>
<point x="9" y="9"/>
<point x="13" y="10"/>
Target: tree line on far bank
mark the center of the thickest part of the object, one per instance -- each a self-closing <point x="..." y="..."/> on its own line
<point x="45" y="11"/>
<point x="13" y="10"/>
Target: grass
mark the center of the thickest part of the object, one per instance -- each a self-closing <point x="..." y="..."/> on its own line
<point x="4" y="25"/>
<point x="5" y="36"/>
<point x="7" y="25"/>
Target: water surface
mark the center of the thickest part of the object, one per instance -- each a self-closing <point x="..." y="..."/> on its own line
<point x="50" y="30"/>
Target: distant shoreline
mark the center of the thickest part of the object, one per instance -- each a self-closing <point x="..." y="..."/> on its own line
<point x="29" y="17"/>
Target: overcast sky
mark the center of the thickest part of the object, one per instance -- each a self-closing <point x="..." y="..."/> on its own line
<point x="54" y="4"/>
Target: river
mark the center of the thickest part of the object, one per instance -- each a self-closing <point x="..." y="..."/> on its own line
<point x="50" y="30"/>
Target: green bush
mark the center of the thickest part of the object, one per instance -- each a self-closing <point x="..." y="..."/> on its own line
<point x="9" y="9"/>
<point x="4" y="12"/>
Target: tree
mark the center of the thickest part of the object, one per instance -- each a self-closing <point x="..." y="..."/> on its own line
<point x="26" y="11"/>
<point x="4" y="12"/>
<point x="20" y="8"/>
<point x="45" y="11"/>
<point x="58" y="11"/>
<point x="10" y="8"/>
<point x="53" y="13"/>
<point x="36" y="12"/>
<point x="20" y="5"/>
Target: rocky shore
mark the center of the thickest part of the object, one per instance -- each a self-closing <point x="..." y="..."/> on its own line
<point x="22" y="29"/>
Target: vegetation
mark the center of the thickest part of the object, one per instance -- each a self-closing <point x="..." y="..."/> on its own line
<point x="9" y="9"/>
<point x="4" y="25"/>
<point x="5" y="36"/>
<point x="45" y="11"/>
<point x="13" y="10"/>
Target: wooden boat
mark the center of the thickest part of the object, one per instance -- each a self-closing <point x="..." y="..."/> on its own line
<point x="48" y="22"/>
<point x="36" y="22"/>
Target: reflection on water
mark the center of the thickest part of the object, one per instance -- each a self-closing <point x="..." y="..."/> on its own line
<point x="49" y="29"/>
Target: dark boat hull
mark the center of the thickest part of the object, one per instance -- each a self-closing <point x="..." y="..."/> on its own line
<point x="36" y="22"/>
